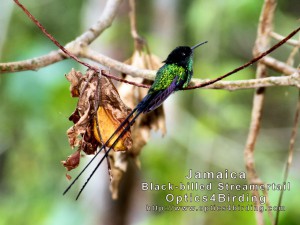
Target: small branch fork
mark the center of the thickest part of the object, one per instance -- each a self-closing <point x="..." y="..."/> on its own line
<point x="79" y="48"/>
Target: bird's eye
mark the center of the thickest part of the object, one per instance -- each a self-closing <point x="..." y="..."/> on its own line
<point x="183" y="54"/>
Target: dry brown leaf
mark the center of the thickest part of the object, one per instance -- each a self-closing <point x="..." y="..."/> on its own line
<point x="107" y="126"/>
<point x="110" y="114"/>
<point x="68" y="176"/>
<point x="98" y="98"/>
<point x="84" y="87"/>
<point x="79" y="128"/>
<point x="72" y="161"/>
<point x="74" y="78"/>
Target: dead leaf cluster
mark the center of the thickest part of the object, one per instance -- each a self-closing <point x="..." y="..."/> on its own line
<point x="98" y="114"/>
<point x="100" y="111"/>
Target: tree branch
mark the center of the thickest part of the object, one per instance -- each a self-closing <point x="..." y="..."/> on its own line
<point x="105" y="21"/>
<point x="261" y="43"/>
<point x="79" y="48"/>
<point x="53" y="57"/>
<point x="280" y="37"/>
<point x="32" y="64"/>
<point x="291" y="80"/>
<point x="278" y="65"/>
<point x="290" y="61"/>
<point x="110" y="63"/>
<point x="290" y="154"/>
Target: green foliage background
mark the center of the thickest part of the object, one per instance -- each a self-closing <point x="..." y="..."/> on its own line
<point x="207" y="129"/>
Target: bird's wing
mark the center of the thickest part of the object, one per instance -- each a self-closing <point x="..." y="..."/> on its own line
<point x="156" y="98"/>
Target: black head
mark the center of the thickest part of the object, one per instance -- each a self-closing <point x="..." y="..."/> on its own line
<point x="182" y="54"/>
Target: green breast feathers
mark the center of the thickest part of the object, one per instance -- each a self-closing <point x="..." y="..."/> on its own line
<point x="166" y="75"/>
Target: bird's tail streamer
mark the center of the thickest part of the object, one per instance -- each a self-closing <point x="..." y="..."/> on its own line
<point x="110" y="148"/>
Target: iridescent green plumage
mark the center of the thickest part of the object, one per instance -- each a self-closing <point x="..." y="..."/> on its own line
<point x="166" y="74"/>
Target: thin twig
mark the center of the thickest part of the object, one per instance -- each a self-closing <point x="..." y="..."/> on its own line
<point x="105" y="21"/>
<point x="280" y="37"/>
<point x="254" y="60"/>
<point x="132" y="18"/>
<point x="290" y="154"/>
<point x="139" y="42"/>
<point x="291" y="80"/>
<point x="290" y="61"/>
<point x="278" y="66"/>
<point x="43" y="29"/>
<point x="32" y="64"/>
<point x="62" y="48"/>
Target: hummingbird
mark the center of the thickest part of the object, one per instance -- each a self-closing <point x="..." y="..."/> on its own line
<point x="174" y="75"/>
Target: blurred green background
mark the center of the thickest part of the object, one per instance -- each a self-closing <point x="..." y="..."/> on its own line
<point x="206" y="129"/>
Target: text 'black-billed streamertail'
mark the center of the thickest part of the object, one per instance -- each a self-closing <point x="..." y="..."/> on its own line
<point x="174" y="75"/>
